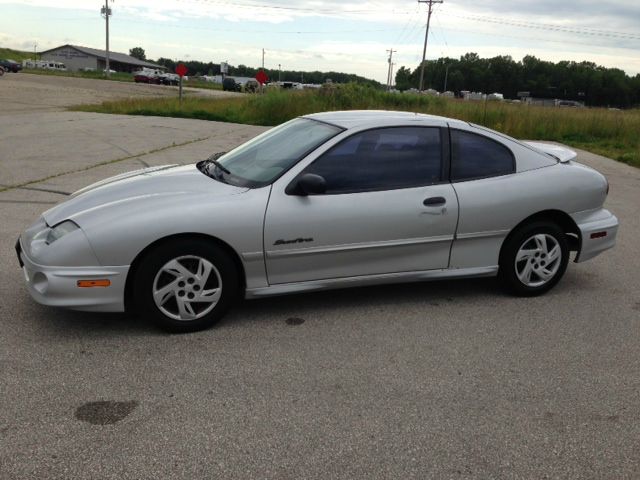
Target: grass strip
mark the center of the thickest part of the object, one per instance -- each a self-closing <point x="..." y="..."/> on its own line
<point x="612" y="133"/>
<point x="117" y="77"/>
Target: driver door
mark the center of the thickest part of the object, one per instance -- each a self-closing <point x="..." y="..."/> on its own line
<point x="388" y="208"/>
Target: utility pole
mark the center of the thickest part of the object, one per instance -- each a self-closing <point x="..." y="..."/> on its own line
<point x="263" y="58"/>
<point x="446" y="76"/>
<point x="426" y="37"/>
<point x="35" y="53"/>
<point x="106" y="11"/>
<point x="391" y="78"/>
<point x="279" y="70"/>
<point x="391" y="52"/>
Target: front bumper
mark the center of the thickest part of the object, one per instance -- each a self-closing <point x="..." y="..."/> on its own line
<point x="58" y="286"/>
<point x="598" y="230"/>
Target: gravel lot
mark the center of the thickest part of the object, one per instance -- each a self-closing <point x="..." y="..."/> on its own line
<point x="435" y="380"/>
<point x="24" y="92"/>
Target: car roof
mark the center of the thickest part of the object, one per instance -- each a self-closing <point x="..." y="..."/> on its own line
<point x="364" y="118"/>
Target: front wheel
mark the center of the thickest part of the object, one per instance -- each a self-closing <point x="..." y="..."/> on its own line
<point x="186" y="285"/>
<point x="534" y="259"/>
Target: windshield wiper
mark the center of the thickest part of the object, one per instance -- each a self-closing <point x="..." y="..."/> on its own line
<point x="213" y="159"/>
<point x="219" y="165"/>
<point x="205" y="167"/>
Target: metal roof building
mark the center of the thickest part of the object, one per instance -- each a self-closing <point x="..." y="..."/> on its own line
<point x="83" y="58"/>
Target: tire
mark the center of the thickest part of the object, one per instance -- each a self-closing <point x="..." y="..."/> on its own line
<point x="173" y="273"/>
<point x="533" y="259"/>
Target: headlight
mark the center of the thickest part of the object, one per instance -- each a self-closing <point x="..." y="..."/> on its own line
<point x="60" y="230"/>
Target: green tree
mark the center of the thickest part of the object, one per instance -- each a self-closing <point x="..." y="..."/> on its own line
<point x="138" y="52"/>
<point x="403" y="79"/>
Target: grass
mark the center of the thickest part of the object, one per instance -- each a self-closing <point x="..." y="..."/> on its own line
<point x="15" y="55"/>
<point x="607" y="132"/>
<point x="118" y="77"/>
<point x="193" y="83"/>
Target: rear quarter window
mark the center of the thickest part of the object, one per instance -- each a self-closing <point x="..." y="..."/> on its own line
<point x="476" y="156"/>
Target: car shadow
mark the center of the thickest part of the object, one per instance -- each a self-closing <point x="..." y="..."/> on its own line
<point x="63" y="323"/>
<point x="328" y="303"/>
<point x="429" y="294"/>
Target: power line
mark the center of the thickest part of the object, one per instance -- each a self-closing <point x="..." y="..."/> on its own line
<point x="296" y="9"/>
<point x="520" y="37"/>
<point x="413" y="23"/>
<point x="549" y="27"/>
<point x="442" y="35"/>
<point x="426" y="37"/>
<point x="236" y="30"/>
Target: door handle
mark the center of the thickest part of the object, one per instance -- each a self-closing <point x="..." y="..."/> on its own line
<point x="434" y="202"/>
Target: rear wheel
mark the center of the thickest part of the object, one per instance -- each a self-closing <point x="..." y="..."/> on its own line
<point x="186" y="285"/>
<point x="534" y="259"/>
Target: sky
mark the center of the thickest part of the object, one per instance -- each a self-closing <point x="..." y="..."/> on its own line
<point x="350" y="36"/>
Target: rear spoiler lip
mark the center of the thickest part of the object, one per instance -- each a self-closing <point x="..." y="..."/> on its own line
<point x="562" y="154"/>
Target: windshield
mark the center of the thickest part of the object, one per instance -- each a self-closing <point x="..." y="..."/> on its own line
<point x="261" y="160"/>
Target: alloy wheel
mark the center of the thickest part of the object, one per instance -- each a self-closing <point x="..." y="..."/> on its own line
<point x="187" y="288"/>
<point x="538" y="260"/>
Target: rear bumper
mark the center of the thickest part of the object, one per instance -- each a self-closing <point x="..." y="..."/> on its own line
<point x="598" y="230"/>
<point x="58" y="286"/>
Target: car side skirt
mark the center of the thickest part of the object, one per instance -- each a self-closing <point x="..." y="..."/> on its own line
<point x="361" y="281"/>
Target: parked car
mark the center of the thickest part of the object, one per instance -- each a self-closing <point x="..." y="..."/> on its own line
<point x="148" y="75"/>
<point x="45" y="65"/>
<point x="169" y="79"/>
<point x="251" y="86"/>
<point x="229" y="84"/>
<point x="324" y="201"/>
<point x="146" y="78"/>
<point x="10" y="65"/>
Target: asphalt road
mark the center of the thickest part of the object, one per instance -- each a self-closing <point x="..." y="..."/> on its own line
<point x="435" y="380"/>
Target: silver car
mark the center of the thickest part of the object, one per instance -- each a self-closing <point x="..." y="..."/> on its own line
<point x="324" y="201"/>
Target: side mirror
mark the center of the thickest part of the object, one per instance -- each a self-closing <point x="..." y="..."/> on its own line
<point x="307" y="184"/>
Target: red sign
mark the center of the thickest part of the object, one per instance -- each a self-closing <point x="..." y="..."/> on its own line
<point x="181" y="70"/>
<point x="262" y="77"/>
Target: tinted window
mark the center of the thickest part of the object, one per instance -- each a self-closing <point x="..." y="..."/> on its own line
<point x="476" y="156"/>
<point x="382" y="159"/>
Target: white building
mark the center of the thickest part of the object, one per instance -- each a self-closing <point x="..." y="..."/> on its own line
<point x="82" y="58"/>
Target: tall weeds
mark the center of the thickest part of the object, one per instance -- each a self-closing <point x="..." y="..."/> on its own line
<point x="612" y="133"/>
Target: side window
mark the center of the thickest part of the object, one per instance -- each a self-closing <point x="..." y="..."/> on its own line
<point x="476" y="156"/>
<point x="382" y="159"/>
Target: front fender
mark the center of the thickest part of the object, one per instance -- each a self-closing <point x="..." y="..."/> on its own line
<point x="118" y="233"/>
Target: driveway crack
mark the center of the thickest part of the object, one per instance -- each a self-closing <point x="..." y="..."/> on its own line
<point x="24" y="185"/>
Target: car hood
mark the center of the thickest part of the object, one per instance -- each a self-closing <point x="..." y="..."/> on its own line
<point x="140" y="186"/>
